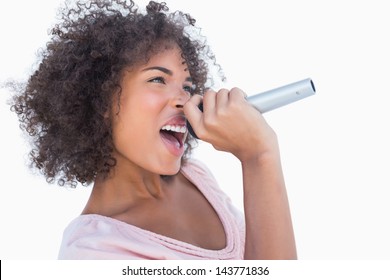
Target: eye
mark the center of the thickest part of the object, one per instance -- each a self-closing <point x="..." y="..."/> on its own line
<point x="189" y="88"/>
<point x="159" y="80"/>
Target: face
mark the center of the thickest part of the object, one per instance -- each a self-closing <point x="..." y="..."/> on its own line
<point x="149" y="127"/>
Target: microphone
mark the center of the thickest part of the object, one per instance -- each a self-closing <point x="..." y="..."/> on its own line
<point x="275" y="98"/>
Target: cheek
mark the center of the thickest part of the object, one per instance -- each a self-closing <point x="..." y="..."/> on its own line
<point x="151" y="102"/>
<point x="139" y="110"/>
<point x="144" y="104"/>
<point x="137" y="117"/>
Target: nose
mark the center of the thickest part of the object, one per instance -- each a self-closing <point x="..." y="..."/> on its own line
<point x="180" y="98"/>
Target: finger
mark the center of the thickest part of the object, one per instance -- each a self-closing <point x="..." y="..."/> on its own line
<point x="192" y="112"/>
<point x="209" y="101"/>
<point x="222" y="99"/>
<point x="237" y="95"/>
<point x="196" y="99"/>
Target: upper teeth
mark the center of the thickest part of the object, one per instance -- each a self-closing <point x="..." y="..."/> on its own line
<point x="175" y="128"/>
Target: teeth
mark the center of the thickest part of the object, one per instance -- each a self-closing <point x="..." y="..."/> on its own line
<point x="175" y="128"/>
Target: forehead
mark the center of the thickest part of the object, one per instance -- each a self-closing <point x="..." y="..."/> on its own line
<point x="165" y="55"/>
<point x="170" y="57"/>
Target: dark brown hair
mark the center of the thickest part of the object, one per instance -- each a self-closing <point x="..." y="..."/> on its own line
<point x="63" y="105"/>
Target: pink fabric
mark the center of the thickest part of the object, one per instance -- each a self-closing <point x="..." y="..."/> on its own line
<point x="99" y="237"/>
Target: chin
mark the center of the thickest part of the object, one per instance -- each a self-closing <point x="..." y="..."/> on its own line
<point x="170" y="170"/>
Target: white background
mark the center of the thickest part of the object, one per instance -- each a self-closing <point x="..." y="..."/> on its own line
<point x="334" y="145"/>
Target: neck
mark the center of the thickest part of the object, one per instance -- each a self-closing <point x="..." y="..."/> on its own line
<point x="123" y="188"/>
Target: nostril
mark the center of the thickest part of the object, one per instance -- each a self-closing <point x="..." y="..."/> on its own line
<point x="179" y="106"/>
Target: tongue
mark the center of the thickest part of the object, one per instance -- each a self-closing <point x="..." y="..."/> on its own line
<point x="168" y="136"/>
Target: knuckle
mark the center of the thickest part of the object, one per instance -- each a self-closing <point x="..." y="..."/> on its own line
<point x="222" y="112"/>
<point x="236" y="90"/>
<point x="210" y="122"/>
<point x="234" y="106"/>
<point x="195" y="98"/>
<point x="209" y="94"/>
<point x="201" y="133"/>
<point x="223" y="91"/>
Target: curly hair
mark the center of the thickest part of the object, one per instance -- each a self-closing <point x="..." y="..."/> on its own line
<point x="63" y="104"/>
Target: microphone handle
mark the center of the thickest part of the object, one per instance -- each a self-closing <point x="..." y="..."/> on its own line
<point x="275" y="98"/>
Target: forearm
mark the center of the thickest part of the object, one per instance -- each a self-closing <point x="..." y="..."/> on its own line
<point x="231" y="124"/>
<point x="269" y="230"/>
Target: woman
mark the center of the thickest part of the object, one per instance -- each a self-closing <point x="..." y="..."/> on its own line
<point x="108" y="105"/>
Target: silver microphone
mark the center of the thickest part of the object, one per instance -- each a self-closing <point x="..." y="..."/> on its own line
<point x="275" y="98"/>
<point x="281" y="96"/>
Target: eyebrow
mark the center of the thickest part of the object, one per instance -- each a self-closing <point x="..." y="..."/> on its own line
<point x="164" y="70"/>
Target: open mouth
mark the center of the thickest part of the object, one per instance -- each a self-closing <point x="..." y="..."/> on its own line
<point x="175" y="134"/>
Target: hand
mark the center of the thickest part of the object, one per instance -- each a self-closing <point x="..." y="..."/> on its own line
<point x="231" y="124"/>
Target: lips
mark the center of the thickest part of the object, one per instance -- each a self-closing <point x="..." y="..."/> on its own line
<point x="173" y="134"/>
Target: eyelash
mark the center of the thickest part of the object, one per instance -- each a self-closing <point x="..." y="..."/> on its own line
<point x="161" y="80"/>
<point x="158" y="79"/>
